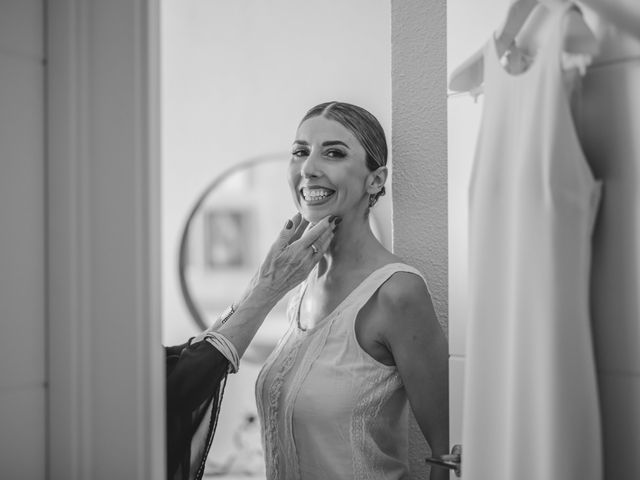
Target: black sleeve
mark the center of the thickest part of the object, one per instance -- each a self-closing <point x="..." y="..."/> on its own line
<point x="195" y="378"/>
<point x="193" y="373"/>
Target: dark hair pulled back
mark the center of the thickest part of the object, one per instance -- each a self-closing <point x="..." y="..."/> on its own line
<point x="364" y="126"/>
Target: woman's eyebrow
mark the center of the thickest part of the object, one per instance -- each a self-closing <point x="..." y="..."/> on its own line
<point x="328" y="143"/>
<point x="334" y="142"/>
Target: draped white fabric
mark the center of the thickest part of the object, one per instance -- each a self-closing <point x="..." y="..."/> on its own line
<point x="530" y="404"/>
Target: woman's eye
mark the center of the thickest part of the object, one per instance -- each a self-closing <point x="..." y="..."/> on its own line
<point x="300" y="152"/>
<point x="335" y="154"/>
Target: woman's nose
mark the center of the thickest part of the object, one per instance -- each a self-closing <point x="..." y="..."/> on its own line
<point x="309" y="167"/>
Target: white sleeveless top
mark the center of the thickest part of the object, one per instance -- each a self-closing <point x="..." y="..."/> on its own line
<point x="531" y="400"/>
<point x="328" y="410"/>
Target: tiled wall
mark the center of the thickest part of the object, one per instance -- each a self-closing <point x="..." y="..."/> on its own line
<point x="22" y="222"/>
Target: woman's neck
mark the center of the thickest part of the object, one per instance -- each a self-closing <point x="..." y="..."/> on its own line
<point x="351" y="247"/>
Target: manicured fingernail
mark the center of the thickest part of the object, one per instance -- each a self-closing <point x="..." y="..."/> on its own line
<point x="338" y="220"/>
<point x="289" y="225"/>
<point x="331" y="218"/>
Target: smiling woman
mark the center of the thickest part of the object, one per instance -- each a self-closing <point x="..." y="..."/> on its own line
<point x="256" y="191"/>
<point x="337" y="142"/>
<point x="363" y="341"/>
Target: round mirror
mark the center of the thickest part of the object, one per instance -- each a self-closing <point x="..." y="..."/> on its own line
<point x="228" y="232"/>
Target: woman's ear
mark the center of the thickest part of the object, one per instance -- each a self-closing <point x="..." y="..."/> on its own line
<point x="376" y="180"/>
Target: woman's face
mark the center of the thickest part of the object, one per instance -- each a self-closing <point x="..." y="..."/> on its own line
<point x="328" y="171"/>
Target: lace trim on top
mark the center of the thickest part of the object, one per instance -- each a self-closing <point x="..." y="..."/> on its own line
<point x="366" y="412"/>
<point x="313" y="348"/>
<point x="270" y="436"/>
<point x="275" y="391"/>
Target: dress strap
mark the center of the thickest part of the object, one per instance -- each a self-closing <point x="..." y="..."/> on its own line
<point x="374" y="281"/>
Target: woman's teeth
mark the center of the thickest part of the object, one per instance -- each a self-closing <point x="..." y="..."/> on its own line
<point x="312" y="194"/>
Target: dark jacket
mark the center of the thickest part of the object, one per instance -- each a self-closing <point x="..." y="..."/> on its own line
<point x="196" y="377"/>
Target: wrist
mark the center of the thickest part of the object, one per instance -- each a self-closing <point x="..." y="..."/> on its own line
<point x="260" y="296"/>
<point x="226" y="314"/>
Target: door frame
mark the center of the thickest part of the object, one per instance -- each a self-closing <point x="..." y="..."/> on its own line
<point x="105" y="363"/>
<point x="105" y="360"/>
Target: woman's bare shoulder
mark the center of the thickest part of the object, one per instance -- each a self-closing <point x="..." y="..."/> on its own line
<point x="403" y="290"/>
<point x="405" y="311"/>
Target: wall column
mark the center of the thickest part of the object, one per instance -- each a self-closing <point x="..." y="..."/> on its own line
<point x="419" y="147"/>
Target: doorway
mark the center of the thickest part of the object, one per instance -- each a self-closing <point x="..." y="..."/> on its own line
<point x="236" y="79"/>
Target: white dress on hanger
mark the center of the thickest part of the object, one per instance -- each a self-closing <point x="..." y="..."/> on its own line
<point x="530" y="404"/>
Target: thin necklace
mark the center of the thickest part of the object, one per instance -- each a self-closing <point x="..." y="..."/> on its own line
<point x="304" y="290"/>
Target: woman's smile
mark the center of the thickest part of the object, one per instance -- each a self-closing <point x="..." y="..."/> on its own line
<point x="313" y="195"/>
<point x="328" y="170"/>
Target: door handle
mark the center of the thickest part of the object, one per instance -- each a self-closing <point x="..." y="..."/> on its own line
<point x="453" y="461"/>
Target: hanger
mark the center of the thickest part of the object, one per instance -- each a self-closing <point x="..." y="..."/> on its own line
<point x="579" y="39"/>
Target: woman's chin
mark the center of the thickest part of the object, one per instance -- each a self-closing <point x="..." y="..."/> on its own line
<point x="314" y="217"/>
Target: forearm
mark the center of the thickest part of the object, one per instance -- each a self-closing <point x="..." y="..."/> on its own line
<point x="249" y="315"/>
<point x="288" y="262"/>
<point x="435" y="424"/>
<point x="432" y="409"/>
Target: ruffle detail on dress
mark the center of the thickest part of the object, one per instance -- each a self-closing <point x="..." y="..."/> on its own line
<point x="271" y="424"/>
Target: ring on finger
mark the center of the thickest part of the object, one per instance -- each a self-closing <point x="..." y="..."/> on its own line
<point x="314" y="248"/>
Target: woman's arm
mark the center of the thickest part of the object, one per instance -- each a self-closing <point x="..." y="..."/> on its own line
<point x="197" y="369"/>
<point x="288" y="263"/>
<point x="419" y="348"/>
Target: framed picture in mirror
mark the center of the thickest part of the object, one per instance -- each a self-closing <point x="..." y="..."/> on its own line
<point x="226" y="238"/>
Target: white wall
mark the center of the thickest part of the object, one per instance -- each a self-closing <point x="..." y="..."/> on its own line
<point x="238" y="76"/>
<point x="420" y="156"/>
<point x="22" y="227"/>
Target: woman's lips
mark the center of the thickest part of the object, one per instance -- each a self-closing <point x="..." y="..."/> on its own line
<point x="316" y="195"/>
